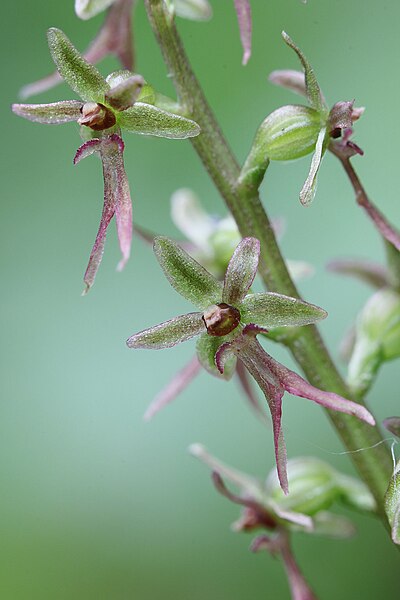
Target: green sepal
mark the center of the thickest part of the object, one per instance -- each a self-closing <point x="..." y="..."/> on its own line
<point x="195" y="10"/>
<point x="80" y="75"/>
<point x="50" y="114"/>
<point x="168" y="334"/>
<point x="146" y="119"/>
<point x="206" y="348"/>
<point x="276" y="310"/>
<point x="313" y="90"/>
<point x="186" y="275"/>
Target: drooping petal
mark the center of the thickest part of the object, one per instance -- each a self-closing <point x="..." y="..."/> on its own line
<point x="146" y="119"/>
<point x="314" y="93"/>
<point x="117" y="200"/>
<point x="255" y="360"/>
<point x="168" y="334"/>
<point x="307" y="193"/>
<point x="243" y="11"/>
<point x="123" y="203"/>
<point x="252" y="399"/>
<point x="296" y="385"/>
<point x="300" y="590"/>
<point x="185" y="274"/>
<point x="291" y="80"/>
<point x="207" y="349"/>
<point x="242" y="269"/>
<point x="55" y="113"/>
<point x="195" y="10"/>
<point x="80" y="75"/>
<point x="250" y="486"/>
<point x="392" y="424"/>
<point x="124" y="94"/>
<point x="365" y="270"/>
<point x="177" y="384"/>
<point x="276" y="310"/>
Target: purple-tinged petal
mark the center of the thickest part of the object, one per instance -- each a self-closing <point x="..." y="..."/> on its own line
<point x="291" y="80"/>
<point x="300" y="590"/>
<point x="310" y="186"/>
<point x="296" y="385"/>
<point x="314" y="93"/>
<point x="169" y="333"/>
<point x="55" y="113"/>
<point x="116" y="200"/>
<point x="248" y="390"/>
<point x="243" y="11"/>
<point x="365" y="270"/>
<point x="177" y="384"/>
<point x="341" y="116"/>
<point x="250" y="486"/>
<point x="392" y="424"/>
<point x="255" y="359"/>
<point x="123" y="203"/>
<point x="87" y="149"/>
<point x="242" y="269"/>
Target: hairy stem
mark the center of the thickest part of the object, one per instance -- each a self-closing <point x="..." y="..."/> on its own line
<point x="240" y="192"/>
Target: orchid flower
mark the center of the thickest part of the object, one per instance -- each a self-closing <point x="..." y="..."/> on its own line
<point x="294" y="131"/>
<point x="107" y="106"/>
<point x="114" y="37"/>
<point x="228" y="320"/>
<point x="212" y="241"/>
<point x="315" y="487"/>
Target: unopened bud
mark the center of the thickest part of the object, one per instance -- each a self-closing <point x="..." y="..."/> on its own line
<point x="289" y="132"/>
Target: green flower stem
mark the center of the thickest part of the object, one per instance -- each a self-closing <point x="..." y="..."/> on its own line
<point x="240" y="192"/>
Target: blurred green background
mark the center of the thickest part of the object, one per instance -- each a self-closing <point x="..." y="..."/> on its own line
<point x="95" y="503"/>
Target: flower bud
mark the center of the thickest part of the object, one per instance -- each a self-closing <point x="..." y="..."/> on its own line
<point x="289" y="132"/>
<point x="377" y="337"/>
<point x="221" y="319"/>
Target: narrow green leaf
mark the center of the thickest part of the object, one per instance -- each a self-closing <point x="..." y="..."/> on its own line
<point x="185" y="274"/>
<point x="275" y="310"/>
<point x="149" y="120"/>
<point x="51" y="114"/>
<point x="168" y="334"/>
<point x="80" y="75"/>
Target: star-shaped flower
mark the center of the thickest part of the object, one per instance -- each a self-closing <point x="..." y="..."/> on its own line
<point x="107" y="106"/>
<point x="228" y="320"/>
